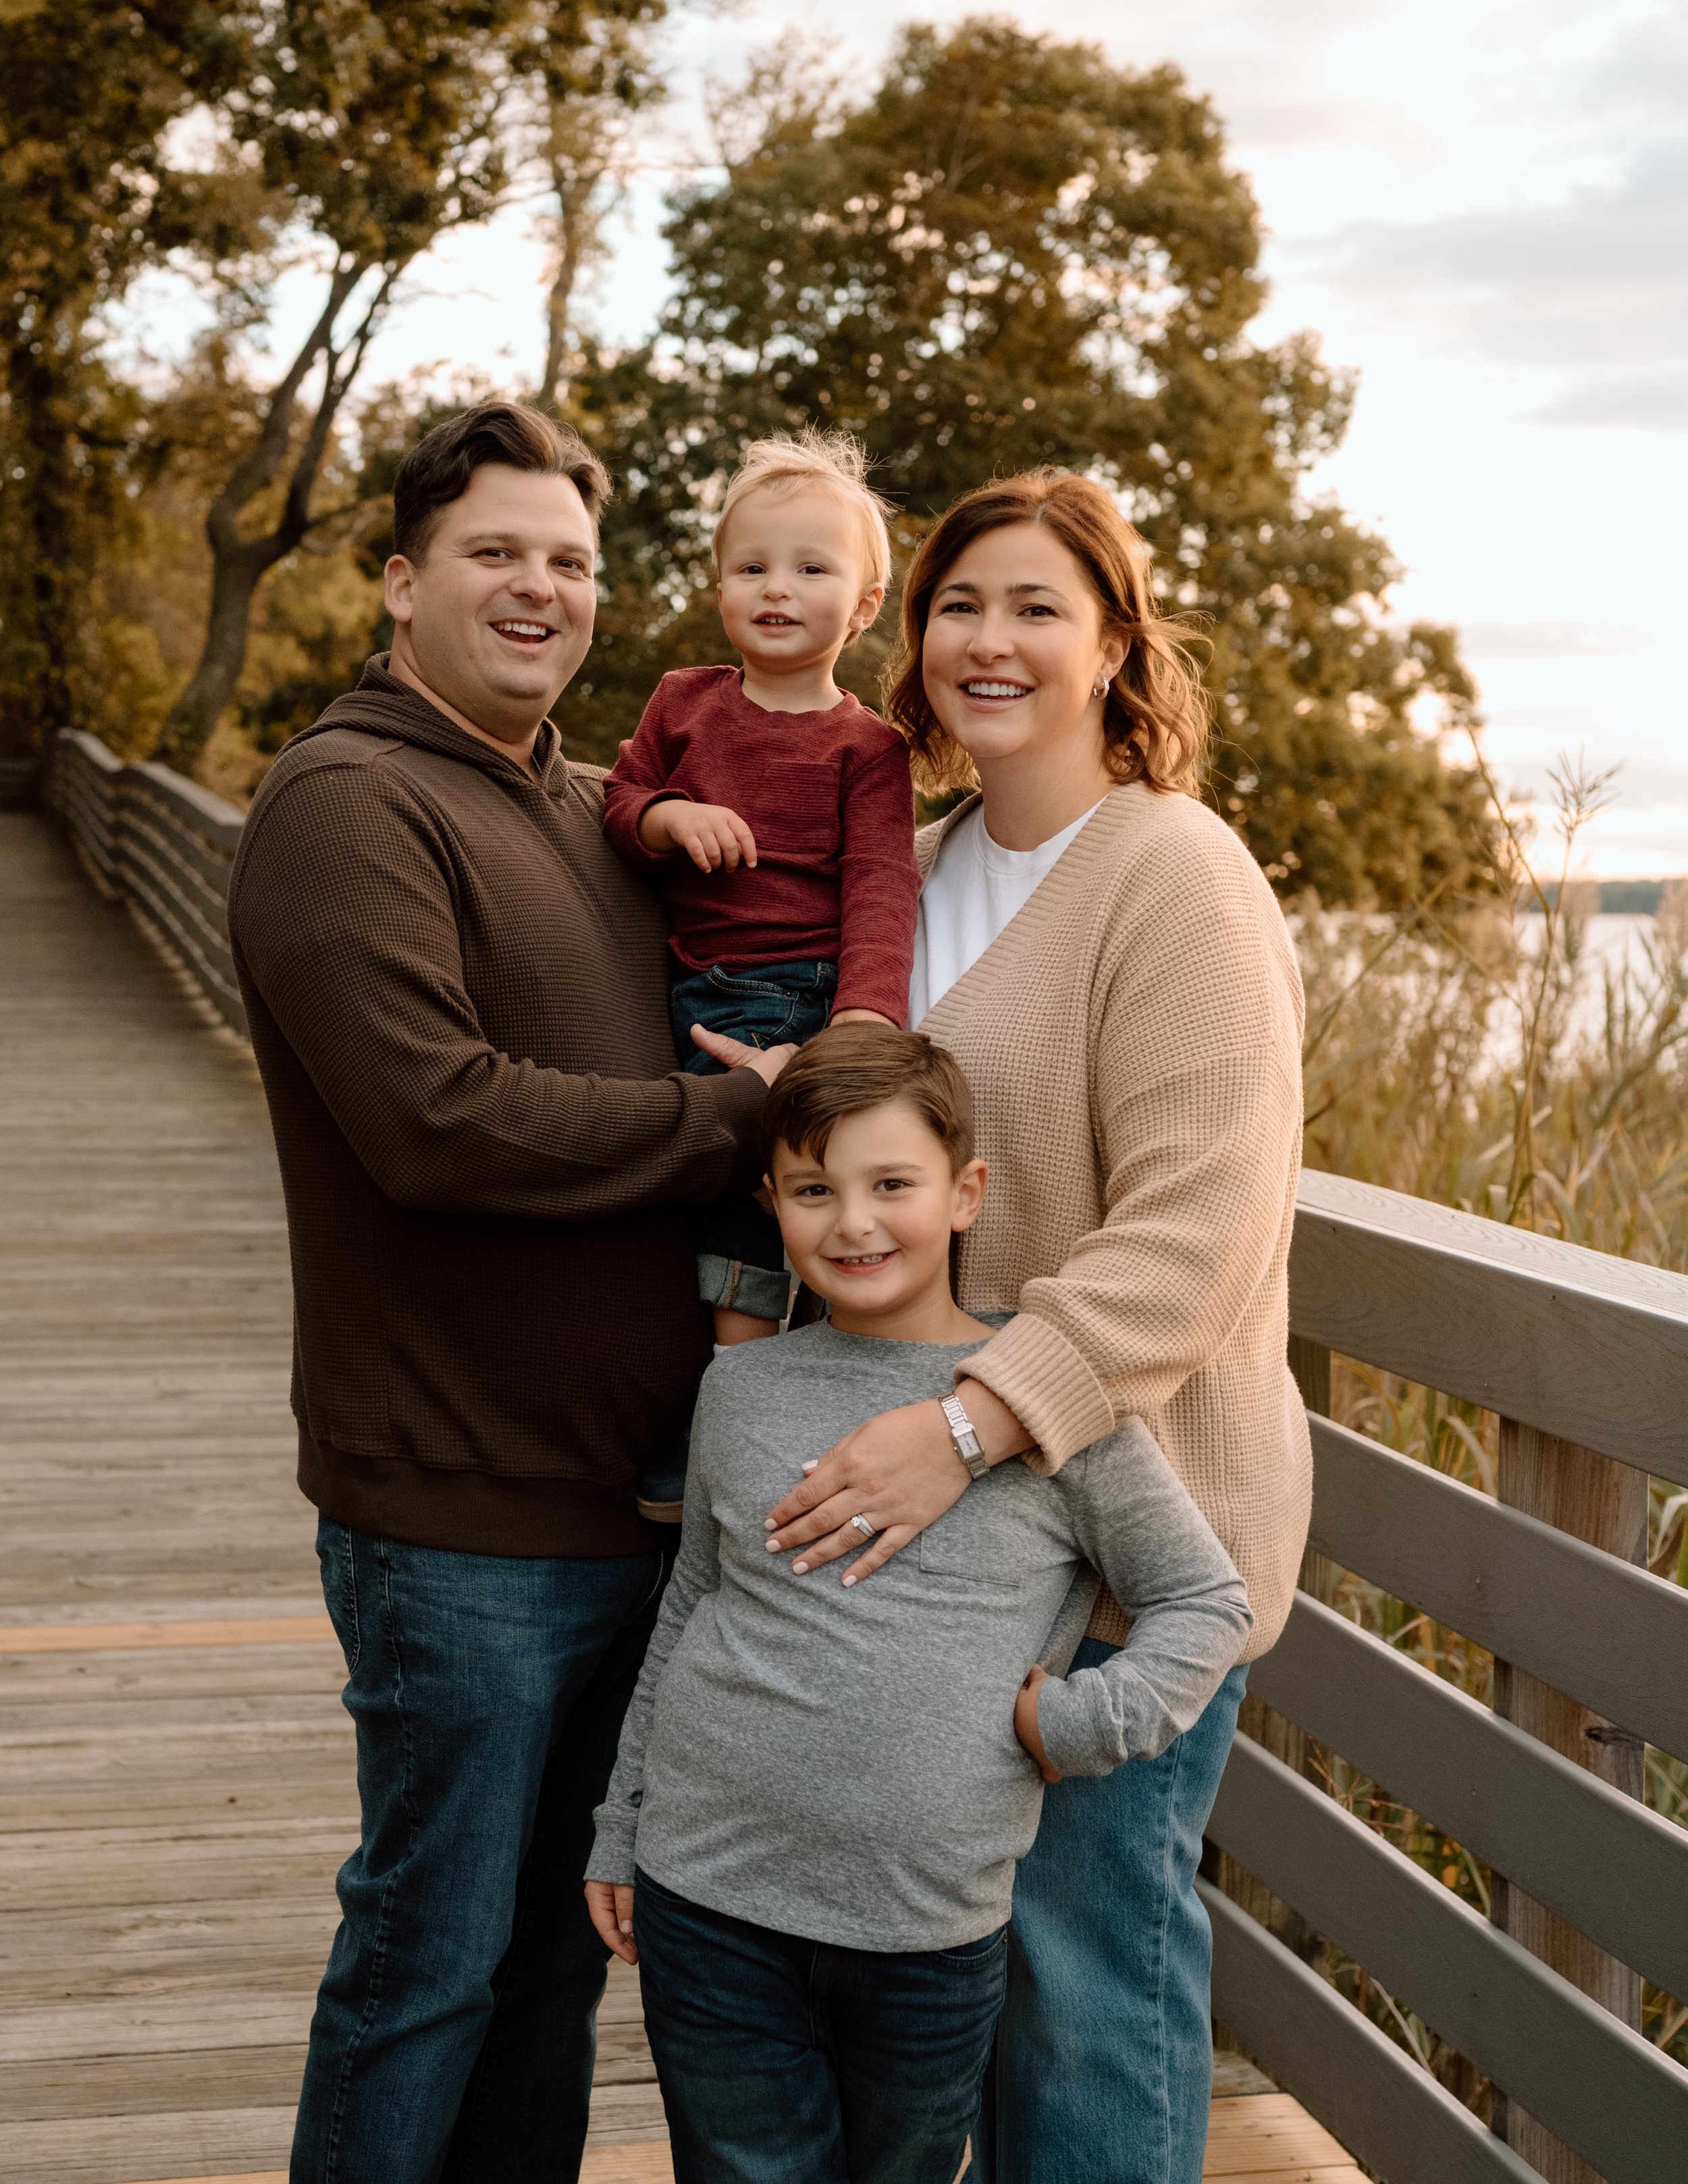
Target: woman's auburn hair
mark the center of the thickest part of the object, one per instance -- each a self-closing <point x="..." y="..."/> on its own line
<point x="1155" y="717"/>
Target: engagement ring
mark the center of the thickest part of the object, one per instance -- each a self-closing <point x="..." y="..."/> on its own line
<point x="862" y="1525"/>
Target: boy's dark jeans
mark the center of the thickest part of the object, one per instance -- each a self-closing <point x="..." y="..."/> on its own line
<point x="785" y="2061"/>
<point x="453" y="2035"/>
<point x="741" y="1262"/>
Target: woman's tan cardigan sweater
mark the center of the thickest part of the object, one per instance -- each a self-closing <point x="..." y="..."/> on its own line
<point x="1134" y="1038"/>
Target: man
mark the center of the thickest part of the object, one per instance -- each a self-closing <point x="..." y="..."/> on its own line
<point x="457" y="1001"/>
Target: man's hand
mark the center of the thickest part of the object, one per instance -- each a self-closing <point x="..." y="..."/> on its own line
<point x="764" y="1061"/>
<point x="710" y="834"/>
<point x="900" y="1471"/>
<point x="1026" y="1722"/>
<point x="609" y="1906"/>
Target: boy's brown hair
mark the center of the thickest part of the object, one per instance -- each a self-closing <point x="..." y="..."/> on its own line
<point x="851" y="1067"/>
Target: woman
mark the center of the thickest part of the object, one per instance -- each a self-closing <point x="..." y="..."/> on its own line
<point x="1104" y="957"/>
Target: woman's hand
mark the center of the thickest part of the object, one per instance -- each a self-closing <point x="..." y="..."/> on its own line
<point x="764" y="1061"/>
<point x="1026" y="1721"/>
<point x="609" y="1906"/>
<point x="899" y="1472"/>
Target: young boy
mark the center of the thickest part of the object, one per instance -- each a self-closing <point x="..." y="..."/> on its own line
<point x="809" y="1840"/>
<point x="775" y="811"/>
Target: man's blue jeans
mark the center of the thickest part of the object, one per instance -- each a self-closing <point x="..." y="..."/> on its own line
<point x="785" y="2061"/>
<point x="454" y="2031"/>
<point x="1104" y="2061"/>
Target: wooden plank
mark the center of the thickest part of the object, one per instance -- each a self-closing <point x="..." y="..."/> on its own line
<point x="1592" y="1348"/>
<point x="1580" y="1620"/>
<point x="118" y="1637"/>
<point x="106" y="2149"/>
<point x="1593" y="2081"/>
<point x="1593" y="1854"/>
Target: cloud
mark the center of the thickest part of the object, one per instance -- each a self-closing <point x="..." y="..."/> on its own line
<point x="1645" y="401"/>
<point x="1593" y="287"/>
<point x="1545" y="640"/>
<point x="1600" y="280"/>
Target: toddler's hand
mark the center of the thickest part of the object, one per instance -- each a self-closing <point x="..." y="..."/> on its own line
<point x="1026" y="1721"/>
<point x="609" y="1906"/>
<point x="710" y="834"/>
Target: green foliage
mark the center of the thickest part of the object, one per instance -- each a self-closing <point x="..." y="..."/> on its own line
<point x="1011" y="253"/>
<point x="89" y="198"/>
<point x="370" y="131"/>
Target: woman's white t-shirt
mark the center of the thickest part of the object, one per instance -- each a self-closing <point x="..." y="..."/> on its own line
<point x="975" y="888"/>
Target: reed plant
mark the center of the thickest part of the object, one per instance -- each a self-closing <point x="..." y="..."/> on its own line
<point x="1488" y="1058"/>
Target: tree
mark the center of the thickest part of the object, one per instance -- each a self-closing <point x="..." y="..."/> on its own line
<point x="1011" y="253"/>
<point x="376" y="130"/>
<point x="588" y="70"/>
<point x="90" y="196"/>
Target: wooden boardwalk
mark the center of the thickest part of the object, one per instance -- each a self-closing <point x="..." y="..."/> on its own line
<point x="176" y="1771"/>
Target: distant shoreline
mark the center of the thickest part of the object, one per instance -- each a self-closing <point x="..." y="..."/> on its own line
<point x="1613" y="897"/>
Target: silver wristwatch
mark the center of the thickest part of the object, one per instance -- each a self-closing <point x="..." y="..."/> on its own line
<point x="965" y="1441"/>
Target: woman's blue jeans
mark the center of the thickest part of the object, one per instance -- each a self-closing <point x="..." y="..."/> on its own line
<point x="1104" y="2063"/>
<point x="454" y="2031"/>
<point x="787" y="2061"/>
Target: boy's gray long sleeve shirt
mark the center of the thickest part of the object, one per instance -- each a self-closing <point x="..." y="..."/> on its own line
<point x="841" y="1763"/>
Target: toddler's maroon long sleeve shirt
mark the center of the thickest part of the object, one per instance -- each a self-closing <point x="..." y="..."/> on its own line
<point x="827" y="796"/>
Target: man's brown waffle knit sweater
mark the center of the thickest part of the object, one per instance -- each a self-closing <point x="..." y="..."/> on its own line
<point x="457" y="996"/>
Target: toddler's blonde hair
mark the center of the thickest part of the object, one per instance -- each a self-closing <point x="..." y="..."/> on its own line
<point x="836" y="463"/>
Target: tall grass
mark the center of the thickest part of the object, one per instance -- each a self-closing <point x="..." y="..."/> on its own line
<point x="1488" y="1059"/>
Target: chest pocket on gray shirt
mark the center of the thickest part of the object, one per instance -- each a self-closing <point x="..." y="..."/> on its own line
<point x="998" y="1532"/>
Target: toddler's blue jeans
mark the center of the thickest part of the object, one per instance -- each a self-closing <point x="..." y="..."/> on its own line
<point x="786" y="2061"/>
<point x="741" y="1262"/>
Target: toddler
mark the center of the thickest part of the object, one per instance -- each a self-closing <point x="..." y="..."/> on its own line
<point x="775" y="811"/>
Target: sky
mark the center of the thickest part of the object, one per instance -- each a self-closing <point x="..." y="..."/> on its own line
<point x="1481" y="206"/>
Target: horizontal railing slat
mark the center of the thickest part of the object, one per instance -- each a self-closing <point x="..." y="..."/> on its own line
<point x="167" y="844"/>
<point x="1385" y="2109"/>
<point x="199" y="811"/>
<point x="1583" y="1345"/>
<point x="1595" y="1856"/>
<point x="1606" y="1633"/>
<point x="91" y="751"/>
<point x="208" y="868"/>
<point x="1582" y="2074"/>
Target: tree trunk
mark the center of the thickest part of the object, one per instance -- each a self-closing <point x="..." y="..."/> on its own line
<point x="193" y="718"/>
<point x="46" y="650"/>
<point x="239" y="563"/>
<point x="577" y="231"/>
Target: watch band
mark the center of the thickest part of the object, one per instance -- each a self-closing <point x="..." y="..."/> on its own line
<point x="965" y="1442"/>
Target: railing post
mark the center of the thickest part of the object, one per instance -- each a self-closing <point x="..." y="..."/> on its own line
<point x="1604" y="1502"/>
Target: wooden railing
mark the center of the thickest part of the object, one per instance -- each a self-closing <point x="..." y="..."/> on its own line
<point x="162" y="843"/>
<point x="1585" y="1360"/>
